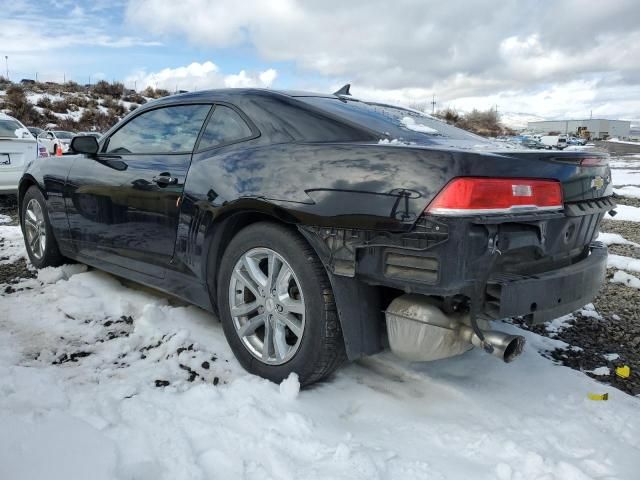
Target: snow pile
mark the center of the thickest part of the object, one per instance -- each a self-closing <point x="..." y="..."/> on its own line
<point x="625" y="212"/>
<point x="290" y="387"/>
<point x="411" y="124"/>
<point x="394" y="141"/>
<point x="600" y="371"/>
<point x="623" y="263"/>
<point x="614" y="239"/>
<point x="630" y="191"/>
<point x="4" y="218"/>
<point x="626" y="279"/>
<point x="621" y="177"/>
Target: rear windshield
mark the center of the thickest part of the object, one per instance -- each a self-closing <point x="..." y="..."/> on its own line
<point x="391" y="122"/>
<point x="11" y="129"/>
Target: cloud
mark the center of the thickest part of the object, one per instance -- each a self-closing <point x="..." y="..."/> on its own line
<point x="34" y="34"/>
<point x="413" y="49"/>
<point x="200" y="76"/>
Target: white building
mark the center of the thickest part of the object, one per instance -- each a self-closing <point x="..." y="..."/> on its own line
<point x="597" y="128"/>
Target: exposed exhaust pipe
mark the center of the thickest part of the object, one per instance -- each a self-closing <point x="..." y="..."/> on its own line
<point x="420" y="331"/>
<point x="506" y="347"/>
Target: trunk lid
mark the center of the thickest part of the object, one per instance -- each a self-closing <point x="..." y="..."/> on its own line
<point x="15" y="152"/>
<point x="584" y="175"/>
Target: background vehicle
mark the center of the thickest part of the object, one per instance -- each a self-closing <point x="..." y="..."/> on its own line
<point x="17" y="146"/>
<point x="52" y="138"/>
<point x="534" y="144"/>
<point x="63" y="138"/>
<point x="555" y="141"/>
<point x="302" y="219"/>
<point x="49" y="140"/>
<point x="35" y="131"/>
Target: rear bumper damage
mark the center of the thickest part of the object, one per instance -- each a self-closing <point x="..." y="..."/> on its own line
<point x="548" y="295"/>
<point x="537" y="267"/>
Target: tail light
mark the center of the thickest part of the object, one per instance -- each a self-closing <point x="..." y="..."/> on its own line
<point x="485" y="196"/>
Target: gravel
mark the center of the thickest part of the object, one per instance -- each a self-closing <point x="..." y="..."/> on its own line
<point x="633" y="202"/>
<point x="616" y="330"/>
<point x="629" y="230"/>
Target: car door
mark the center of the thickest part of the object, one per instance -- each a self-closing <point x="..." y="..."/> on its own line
<point x="123" y="205"/>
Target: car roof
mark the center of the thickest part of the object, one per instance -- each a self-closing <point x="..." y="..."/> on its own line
<point x="229" y="93"/>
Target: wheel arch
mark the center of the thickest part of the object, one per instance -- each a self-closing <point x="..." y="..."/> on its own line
<point x="357" y="303"/>
<point x="221" y="231"/>
<point x="26" y="182"/>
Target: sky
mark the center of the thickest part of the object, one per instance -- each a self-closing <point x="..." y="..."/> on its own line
<point x="561" y="59"/>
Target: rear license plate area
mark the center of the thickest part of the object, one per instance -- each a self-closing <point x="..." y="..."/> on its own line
<point x="5" y="159"/>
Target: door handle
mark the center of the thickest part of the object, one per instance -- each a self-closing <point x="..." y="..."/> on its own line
<point x="165" y="179"/>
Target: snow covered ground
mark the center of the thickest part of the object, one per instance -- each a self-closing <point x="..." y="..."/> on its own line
<point x="622" y="177"/>
<point x="101" y="379"/>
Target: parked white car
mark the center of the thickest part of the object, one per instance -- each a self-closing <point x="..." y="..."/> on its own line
<point x="52" y="138"/>
<point x="64" y="139"/>
<point x="17" y="146"/>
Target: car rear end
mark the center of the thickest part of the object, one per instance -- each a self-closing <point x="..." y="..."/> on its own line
<point x="495" y="243"/>
<point x="501" y="233"/>
<point x="17" y="146"/>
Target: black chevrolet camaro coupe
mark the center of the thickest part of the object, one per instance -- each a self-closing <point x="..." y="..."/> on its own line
<point x="321" y="228"/>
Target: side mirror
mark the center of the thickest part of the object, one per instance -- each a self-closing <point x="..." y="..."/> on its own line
<point x="84" y="144"/>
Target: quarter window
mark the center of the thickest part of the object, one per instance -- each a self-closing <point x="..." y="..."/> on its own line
<point x="225" y="125"/>
<point x="164" y="130"/>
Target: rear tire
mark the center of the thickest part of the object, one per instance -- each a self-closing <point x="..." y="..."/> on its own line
<point x="273" y="271"/>
<point x="40" y="243"/>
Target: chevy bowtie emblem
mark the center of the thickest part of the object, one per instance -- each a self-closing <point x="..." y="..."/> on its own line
<point x="597" y="183"/>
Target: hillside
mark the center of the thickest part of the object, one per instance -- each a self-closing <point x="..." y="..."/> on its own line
<point x="71" y="106"/>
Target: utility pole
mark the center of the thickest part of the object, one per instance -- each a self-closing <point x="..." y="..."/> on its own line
<point x="64" y="77"/>
<point x="6" y="61"/>
<point x="433" y="105"/>
<point x="36" y="77"/>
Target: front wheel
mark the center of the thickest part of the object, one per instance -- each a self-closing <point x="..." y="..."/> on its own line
<point x="41" y="245"/>
<point x="277" y="307"/>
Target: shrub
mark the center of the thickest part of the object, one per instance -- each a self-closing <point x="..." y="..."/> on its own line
<point x="134" y="98"/>
<point x="60" y="106"/>
<point x="45" y="102"/>
<point x="19" y="107"/>
<point x="114" y="89"/>
<point x="155" y="92"/>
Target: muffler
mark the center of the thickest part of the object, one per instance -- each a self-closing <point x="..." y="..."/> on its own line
<point x="419" y="331"/>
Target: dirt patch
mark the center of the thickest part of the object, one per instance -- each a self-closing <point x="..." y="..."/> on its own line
<point x="12" y="273"/>
<point x="9" y="206"/>
<point x="626" y="250"/>
<point x="632" y="202"/>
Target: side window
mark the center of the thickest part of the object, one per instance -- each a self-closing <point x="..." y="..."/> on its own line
<point x="164" y="130"/>
<point x="225" y="125"/>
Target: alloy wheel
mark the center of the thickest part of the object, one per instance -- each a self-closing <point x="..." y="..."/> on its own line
<point x="35" y="228"/>
<point x="267" y="306"/>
